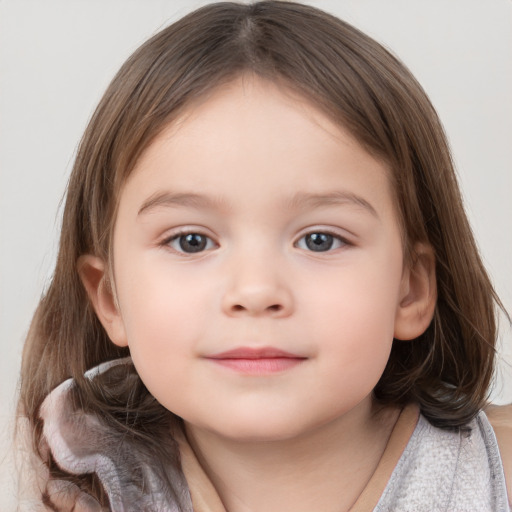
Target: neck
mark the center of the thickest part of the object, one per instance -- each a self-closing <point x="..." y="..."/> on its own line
<point x="326" y="469"/>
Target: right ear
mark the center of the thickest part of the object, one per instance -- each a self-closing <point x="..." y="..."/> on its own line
<point x="93" y="273"/>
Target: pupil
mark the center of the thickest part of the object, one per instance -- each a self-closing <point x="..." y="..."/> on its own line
<point x="192" y="242"/>
<point x="319" y="241"/>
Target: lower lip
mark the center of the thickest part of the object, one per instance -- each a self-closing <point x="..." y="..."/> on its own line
<point x="260" y="366"/>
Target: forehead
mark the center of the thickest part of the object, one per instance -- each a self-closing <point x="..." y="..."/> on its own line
<point x="252" y="133"/>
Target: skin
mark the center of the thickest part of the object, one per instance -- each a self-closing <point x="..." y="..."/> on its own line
<point x="267" y="170"/>
<point x="500" y="418"/>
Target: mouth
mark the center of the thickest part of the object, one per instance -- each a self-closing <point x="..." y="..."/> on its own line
<point x="257" y="361"/>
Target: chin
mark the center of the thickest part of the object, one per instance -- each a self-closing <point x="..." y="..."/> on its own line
<point x="263" y="430"/>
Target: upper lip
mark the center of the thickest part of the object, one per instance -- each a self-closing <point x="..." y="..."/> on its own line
<point x="255" y="353"/>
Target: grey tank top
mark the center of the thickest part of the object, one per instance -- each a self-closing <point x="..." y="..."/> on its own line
<point x="446" y="471"/>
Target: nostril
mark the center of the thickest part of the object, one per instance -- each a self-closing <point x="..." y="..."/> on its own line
<point x="272" y="308"/>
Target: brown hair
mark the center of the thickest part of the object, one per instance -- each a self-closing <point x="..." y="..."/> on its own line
<point x="363" y="87"/>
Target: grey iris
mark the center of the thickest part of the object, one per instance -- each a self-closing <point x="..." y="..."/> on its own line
<point x="319" y="241"/>
<point x="192" y="242"/>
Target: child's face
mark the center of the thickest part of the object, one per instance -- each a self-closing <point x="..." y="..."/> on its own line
<point x="257" y="225"/>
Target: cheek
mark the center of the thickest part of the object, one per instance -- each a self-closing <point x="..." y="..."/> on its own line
<point x="354" y="316"/>
<point x="164" y="313"/>
<point x="361" y="297"/>
<point x="163" y="329"/>
<point x="355" y="350"/>
<point x="358" y="336"/>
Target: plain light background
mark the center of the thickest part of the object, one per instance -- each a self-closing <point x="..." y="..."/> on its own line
<point x="57" y="57"/>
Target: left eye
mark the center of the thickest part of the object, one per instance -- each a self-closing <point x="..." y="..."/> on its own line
<point x="191" y="243"/>
<point x="320" y="242"/>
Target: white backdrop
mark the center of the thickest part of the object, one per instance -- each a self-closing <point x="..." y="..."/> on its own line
<point x="57" y="57"/>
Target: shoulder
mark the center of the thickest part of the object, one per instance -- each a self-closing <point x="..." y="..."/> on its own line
<point x="444" y="469"/>
<point x="500" y="418"/>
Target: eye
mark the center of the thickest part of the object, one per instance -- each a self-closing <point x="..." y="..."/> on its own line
<point x="320" y="242"/>
<point x="190" y="243"/>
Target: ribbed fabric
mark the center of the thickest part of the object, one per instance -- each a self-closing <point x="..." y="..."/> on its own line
<point x="443" y="471"/>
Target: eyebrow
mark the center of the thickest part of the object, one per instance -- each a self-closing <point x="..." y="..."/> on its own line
<point x="298" y="201"/>
<point x="171" y="199"/>
<point x="309" y="200"/>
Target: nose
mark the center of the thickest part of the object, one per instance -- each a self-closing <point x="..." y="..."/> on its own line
<point x="257" y="288"/>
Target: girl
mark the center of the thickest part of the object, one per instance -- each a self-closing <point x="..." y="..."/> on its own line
<point x="267" y="295"/>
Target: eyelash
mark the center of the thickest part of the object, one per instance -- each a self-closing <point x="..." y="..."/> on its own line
<point x="332" y="239"/>
<point x="179" y="237"/>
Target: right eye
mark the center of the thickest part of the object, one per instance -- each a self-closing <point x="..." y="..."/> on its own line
<point x="190" y="243"/>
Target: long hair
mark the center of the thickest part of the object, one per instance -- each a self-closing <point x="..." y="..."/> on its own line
<point x="359" y="85"/>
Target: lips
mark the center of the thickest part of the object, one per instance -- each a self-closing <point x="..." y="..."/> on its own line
<point x="257" y="361"/>
<point x="254" y="353"/>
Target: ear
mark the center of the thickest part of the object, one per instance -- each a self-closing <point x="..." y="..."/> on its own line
<point x="418" y="294"/>
<point x="94" y="276"/>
